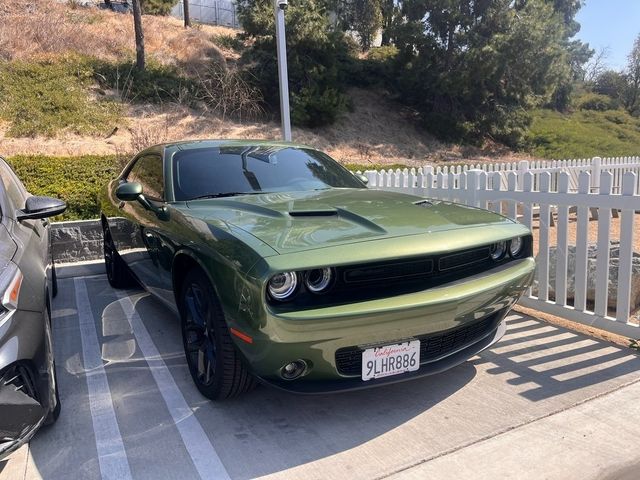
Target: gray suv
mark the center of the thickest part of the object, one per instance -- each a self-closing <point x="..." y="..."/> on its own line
<point x="28" y="389"/>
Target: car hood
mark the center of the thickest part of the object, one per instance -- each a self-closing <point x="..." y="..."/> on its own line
<point x="296" y="221"/>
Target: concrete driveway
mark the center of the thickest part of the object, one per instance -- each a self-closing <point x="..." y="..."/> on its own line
<point x="543" y="403"/>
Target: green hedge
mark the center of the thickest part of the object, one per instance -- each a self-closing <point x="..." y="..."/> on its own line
<point x="80" y="181"/>
<point x="76" y="180"/>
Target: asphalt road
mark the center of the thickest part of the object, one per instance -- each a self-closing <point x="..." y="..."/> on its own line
<point x="543" y="403"/>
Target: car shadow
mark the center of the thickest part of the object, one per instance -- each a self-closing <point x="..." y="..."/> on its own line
<point x="536" y="368"/>
<point x="283" y="430"/>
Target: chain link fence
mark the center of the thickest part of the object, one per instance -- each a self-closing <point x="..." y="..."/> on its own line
<point x="213" y="12"/>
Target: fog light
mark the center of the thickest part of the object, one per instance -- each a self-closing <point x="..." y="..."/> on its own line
<point x="293" y="370"/>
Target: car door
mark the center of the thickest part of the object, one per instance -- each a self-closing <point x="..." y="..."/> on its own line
<point x="139" y="238"/>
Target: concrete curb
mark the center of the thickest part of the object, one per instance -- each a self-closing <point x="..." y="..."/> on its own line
<point x="76" y="241"/>
<point x="80" y="269"/>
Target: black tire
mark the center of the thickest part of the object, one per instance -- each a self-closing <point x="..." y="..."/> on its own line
<point x="55" y="413"/>
<point x="214" y="364"/>
<point x="118" y="273"/>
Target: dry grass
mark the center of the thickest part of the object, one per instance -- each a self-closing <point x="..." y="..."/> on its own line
<point x="377" y="131"/>
<point x="30" y="29"/>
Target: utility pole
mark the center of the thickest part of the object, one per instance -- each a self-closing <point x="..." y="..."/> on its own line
<point x="280" y="6"/>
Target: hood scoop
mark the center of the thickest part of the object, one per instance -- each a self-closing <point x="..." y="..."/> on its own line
<point x="423" y="203"/>
<point x="316" y="212"/>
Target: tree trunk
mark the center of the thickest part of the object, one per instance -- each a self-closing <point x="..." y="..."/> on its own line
<point x="137" y="24"/>
<point x="187" y="18"/>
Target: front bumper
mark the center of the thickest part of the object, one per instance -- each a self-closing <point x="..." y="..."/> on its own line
<point x="316" y="335"/>
<point x="25" y="371"/>
<point x="310" y="387"/>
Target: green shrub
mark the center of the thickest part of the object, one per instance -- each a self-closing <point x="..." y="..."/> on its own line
<point x="315" y="55"/>
<point x="313" y="108"/>
<point x="232" y="42"/>
<point x="157" y="7"/>
<point x="76" y="180"/>
<point x="595" y="101"/>
<point x="46" y="97"/>
<point x="157" y="83"/>
<point x="383" y="54"/>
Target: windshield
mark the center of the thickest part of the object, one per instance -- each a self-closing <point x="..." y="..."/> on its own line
<point x="235" y="170"/>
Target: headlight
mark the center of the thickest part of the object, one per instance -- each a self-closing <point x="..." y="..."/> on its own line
<point x="515" y="246"/>
<point x="498" y="250"/>
<point x="318" y="280"/>
<point x="283" y="285"/>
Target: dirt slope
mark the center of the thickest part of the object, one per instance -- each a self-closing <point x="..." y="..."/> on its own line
<point x="377" y="131"/>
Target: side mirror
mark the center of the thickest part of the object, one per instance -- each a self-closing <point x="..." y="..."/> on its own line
<point x="129" y="191"/>
<point x="363" y="178"/>
<point x="41" y="207"/>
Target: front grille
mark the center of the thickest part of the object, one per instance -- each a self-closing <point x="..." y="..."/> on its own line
<point x="467" y="257"/>
<point x="432" y="346"/>
<point x="387" y="271"/>
<point x="18" y="378"/>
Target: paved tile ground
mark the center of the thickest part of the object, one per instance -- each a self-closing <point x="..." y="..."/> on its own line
<point x="543" y="403"/>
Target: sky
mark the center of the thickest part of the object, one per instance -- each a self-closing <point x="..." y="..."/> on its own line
<point x="610" y="23"/>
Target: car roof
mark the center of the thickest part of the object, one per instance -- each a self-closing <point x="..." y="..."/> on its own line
<point x="193" y="144"/>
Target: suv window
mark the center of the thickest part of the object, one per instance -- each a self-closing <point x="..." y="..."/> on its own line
<point x="148" y="172"/>
<point x="16" y="192"/>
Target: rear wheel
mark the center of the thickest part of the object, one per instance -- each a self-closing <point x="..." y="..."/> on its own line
<point x="214" y="364"/>
<point x="118" y="273"/>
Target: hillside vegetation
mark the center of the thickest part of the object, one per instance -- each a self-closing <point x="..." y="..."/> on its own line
<point x="68" y="87"/>
<point x="584" y="134"/>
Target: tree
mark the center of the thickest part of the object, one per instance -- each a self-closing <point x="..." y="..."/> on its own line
<point x="367" y="20"/>
<point x="632" y="100"/>
<point x="388" y="9"/>
<point x="474" y="69"/>
<point x="137" y="25"/>
<point x="612" y="84"/>
<point x="314" y="55"/>
<point x="597" y="66"/>
<point x="185" y="10"/>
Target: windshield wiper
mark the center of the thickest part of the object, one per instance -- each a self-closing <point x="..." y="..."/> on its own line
<point x="224" y="194"/>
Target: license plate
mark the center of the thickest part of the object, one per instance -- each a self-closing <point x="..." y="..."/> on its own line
<point x="390" y="360"/>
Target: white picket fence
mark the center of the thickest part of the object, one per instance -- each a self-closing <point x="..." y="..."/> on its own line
<point x="537" y="194"/>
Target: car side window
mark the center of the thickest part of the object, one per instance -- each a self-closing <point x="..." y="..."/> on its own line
<point x="13" y="186"/>
<point x="148" y="172"/>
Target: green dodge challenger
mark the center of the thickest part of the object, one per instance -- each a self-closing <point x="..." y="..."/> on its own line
<point x="285" y="268"/>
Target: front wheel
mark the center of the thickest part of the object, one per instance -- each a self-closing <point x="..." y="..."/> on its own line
<point x="214" y="364"/>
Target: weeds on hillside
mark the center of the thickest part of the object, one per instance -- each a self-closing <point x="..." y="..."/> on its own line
<point x="226" y="93"/>
<point x="142" y="138"/>
<point x="230" y="42"/>
<point x="44" y="98"/>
